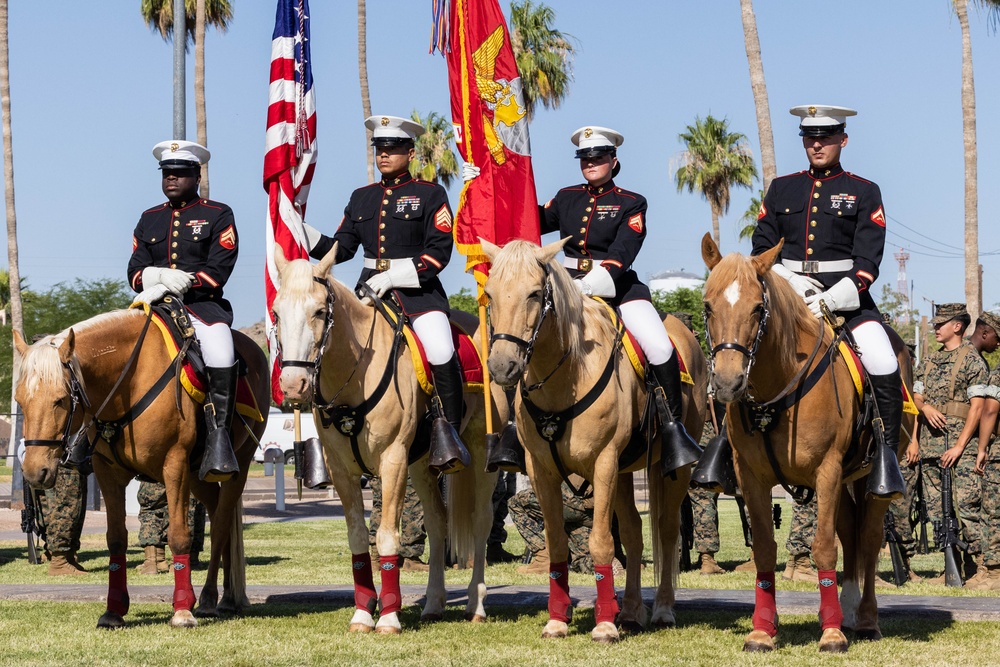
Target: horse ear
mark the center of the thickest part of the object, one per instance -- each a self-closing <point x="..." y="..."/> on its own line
<point x="19" y="344"/>
<point x="279" y="259"/>
<point x="489" y="249"/>
<point x="66" y="349"/>
<point x="547" y="252"/>
<point x="763" y="262"/>
<point x="709" y="251"/>
<point x="329" y="259"/>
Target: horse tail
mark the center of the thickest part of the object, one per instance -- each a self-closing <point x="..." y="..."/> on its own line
<point x="237" y="559"/>
<point x="666" y="556"/>
<point x="462" y="514"/>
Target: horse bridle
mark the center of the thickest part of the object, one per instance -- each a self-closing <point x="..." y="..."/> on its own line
<point x="749" y="352"/>
<point x="77" y="398"/>
<point x="528" y="346"/>
<point x="314" y="365"/>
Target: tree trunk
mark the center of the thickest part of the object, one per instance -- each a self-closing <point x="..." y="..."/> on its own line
<point x="972" y="286"/>
<point x="716" y="213"/>
<point x="366" y="103"/>
<point x="759" y="88"/>
<point x="16" y="314"/>
<point x="199" y="87"/>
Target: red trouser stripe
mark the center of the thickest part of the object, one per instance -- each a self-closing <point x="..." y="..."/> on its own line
<point x="364" y="584"/>
<point x="606" y="607"/>
<point x="183" y="592"/>
<point x="830" y="614"/>
<point x="117" y="586"/>
<point x="765" y="613"/>
<point x="391" y="600"/>
<point x="559" y="602"/>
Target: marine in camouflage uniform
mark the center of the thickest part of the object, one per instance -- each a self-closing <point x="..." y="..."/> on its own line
<point x="902" y="509"/>
<point x="578" y="514"/>
<point x="705" y="512"/>
<point x="63" y="510"/>
<point x="411" y="531"/>
<point x="988" y="461"/>
<point x="953" y="383"/>
<point x="154" y="520"/>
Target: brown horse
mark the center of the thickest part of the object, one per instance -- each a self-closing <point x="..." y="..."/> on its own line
<point x="349" y="346"/>
<point x="767" y="342"/>
<point x="560" y="359"/>
<point x="65" y="378"/>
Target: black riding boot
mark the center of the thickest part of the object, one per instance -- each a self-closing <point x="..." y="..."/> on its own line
<point x="885" y="479"/>
<point x="448" y="453"/>
<point x="677" y="448"/>
<point x="219" y="464"/>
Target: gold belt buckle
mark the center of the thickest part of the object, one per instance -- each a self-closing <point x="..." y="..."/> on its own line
<point x="382" y="264"/>
<point x="585" y="264"/>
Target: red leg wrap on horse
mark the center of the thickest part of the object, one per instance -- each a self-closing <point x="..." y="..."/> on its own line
<point x="765" y="613"/>
<point x="117" y="586"/>
<point x="830" y="614"/>
<point x="183" y="592"/>
<point x="606" y="607"/>
<point x="364" y="584"/>
<point x="391" y="600"/>
<point x="559" y="602"/>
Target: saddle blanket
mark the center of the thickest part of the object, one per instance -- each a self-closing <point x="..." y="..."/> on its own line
<point x="468" y="359"/>
<point x="636" y="356"/>
<point x="194" y="384"/>
<point x="854" y="366"/>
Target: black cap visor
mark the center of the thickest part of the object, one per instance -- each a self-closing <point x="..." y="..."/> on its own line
<point x="821" y="130"/>
<point x="595" y="151"/>
<point x="179" y="164"/>
<point x="392" y="142"/>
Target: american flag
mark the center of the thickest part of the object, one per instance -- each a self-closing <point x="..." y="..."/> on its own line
<point x="290" y="151"/>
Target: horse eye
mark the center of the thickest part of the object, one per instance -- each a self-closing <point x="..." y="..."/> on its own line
<point x="708" y="309"/>
<point x="536" y="295"/>
<point x="320" y="313"/>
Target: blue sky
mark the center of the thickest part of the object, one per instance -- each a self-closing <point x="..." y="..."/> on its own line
<point x="91" y="94"/>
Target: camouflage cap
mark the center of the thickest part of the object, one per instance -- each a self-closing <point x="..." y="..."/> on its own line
<point x="944" y="312"/>
<point x="689" y="321"/>
<point x="991" y="319"/>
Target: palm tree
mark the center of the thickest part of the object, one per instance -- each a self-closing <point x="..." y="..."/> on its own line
<point x="159" y="16"/>
<point x="544" y="55"/>
<point x="366" y="103"/>
<point x="749" y="218"/>
<point x="434" y="160"/>
<point x="714" y="160"/>
<point x="759" y="87"/>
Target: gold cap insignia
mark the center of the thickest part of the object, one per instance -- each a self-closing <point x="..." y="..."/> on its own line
<point x="812" y="111"/>
<point x="588" y="133"/>
<point x="174" y="146"/>
<point x="385" y="121"/>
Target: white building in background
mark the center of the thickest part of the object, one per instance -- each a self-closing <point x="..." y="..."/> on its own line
<point x="668" y="281"/>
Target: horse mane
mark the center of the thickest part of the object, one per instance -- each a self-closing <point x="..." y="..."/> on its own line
<point x="297" y="279"/>
<point x="571" y="309"/>
<point x="790" y="316"/>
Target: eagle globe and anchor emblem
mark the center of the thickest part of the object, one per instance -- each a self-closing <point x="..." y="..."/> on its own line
<point x="509" y="125"/>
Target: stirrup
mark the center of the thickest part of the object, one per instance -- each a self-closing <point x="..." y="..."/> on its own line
<point x="505" y="452"/>
<point x="448" y="454"/>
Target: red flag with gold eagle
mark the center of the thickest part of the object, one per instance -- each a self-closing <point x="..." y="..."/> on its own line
<point x="491" y="128"/>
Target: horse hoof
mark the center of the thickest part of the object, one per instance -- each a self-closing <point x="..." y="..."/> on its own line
<point x="475" y="618"/>
<point x="361" y="628"/>
<point x="110" y="621"/>
<point x="833" y="641"/>
<point x="605" y="633"/>
<point x="387" y="630"/>
<point x="555" y="630"/>
<point x="205" y="611"/>
<point x="433" y="617"/>
<point x="868" y="635"/>
<point x="183" y="619"/>
<point x="758" y="641"/>
<point x="630" y="627"/>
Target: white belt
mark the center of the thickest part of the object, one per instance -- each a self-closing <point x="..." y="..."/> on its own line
<point x="835" y="266"/>
<point x="584" y="264"/>
<point x="384" y="264"/>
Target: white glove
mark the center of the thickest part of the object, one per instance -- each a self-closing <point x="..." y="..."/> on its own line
<point x="469" y="171"/>
<point x="313" y="236"/>
<point x="598" y="282"/>
<point x="174" y="280"/>
<point x="801" y="284"/>
<point x="151" y="295"/>
<point x="400" y="274"/>
<point x="842" y="296"/>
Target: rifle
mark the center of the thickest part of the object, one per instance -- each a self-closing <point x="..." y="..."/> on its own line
<point x="747" y="536"/>
<point x="900" y="570"/>
<point x="687" y="534"/>
<point x="30" y="526"/>
<point x="946" y="533"/>
<point x="921" y="511"/>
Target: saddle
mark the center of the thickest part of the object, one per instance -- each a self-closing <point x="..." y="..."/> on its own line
<point x="634" y="353"/>
<point x="171" y="320"/>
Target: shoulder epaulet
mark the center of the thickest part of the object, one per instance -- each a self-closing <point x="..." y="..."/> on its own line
<point x="572" y="188"/>
<point x="798" y="173"/>
<point x="627" y="193"/>
<point x="213" y="204"/>
<point x="858" y="178"/>
<point x="156" y="208"/>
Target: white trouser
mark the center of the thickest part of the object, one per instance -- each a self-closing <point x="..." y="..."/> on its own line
<point x="216" y="343"/>
<point x="434" y="332"/>
<point x="641" y="318"/>
<point x="876" y="351"/>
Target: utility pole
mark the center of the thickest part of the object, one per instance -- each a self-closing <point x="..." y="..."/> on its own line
<point x="901" y="285"/>
<point x="180" y="41"/>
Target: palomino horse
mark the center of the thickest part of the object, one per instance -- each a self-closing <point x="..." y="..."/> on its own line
<point x="563" y="361"/>
<point x="85" y="374"/>
<point x="767" y="342"/>
<point x="351" y="350"/>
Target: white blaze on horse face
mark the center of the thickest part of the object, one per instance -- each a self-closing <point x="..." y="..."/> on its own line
<point x="732" y="293"/>
<point x="297" y="340"/>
